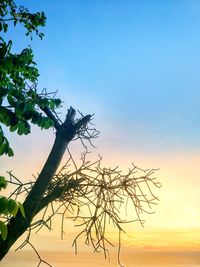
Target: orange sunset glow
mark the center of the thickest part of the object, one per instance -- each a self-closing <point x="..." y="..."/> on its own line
<point x="134" y="66"/>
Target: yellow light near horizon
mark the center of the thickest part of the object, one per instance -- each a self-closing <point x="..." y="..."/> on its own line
<point x="178" y="212"/>
<point x="160" y="240"/>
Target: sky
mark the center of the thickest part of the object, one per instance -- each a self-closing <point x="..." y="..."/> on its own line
<point x="135" y="64"/>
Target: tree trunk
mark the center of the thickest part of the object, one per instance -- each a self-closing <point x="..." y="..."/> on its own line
<point x="34" y="202"/>
<point x="18" y="225"/>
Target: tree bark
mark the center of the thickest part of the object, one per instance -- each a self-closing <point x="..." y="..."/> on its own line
<point x="19" y="225"/>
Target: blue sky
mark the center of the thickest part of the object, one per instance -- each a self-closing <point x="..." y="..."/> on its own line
<point x="134" y="63"/>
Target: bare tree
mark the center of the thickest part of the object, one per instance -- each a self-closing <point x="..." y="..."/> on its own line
<point x="91" y="195"/>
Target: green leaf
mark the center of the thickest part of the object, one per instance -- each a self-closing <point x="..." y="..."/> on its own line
<point x="47" y="123"/>
<point x="3" y="205"/>
<point x="23" y="128"/>
<point x="21" y="108"/>
<point x="28" y="115"/>
<point x="51" y="104"/>
<point x="3" y="148"/>
<point x="10" y="152"/>
<point x="11" y="205"/>
<point x="1" y="138"/>
<point x="13" y="119"/>
<point x="37" y="119"/>
<point x="11" y="100"/>
<point x="43" y="102"/>
<point x="21" y="207"/>
<point x="57" y="102"/>
<point x="14" y="128"/>
<point x="3" y="230"/>
<point x="3" y="182"/>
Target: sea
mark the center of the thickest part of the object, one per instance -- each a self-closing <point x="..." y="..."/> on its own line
<point x="88" y="259"/>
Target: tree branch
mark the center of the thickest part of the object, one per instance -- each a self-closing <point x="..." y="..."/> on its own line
<point x="51" y="116"/>
<point x="18" y="225"/>
<point x="4" y="20"/>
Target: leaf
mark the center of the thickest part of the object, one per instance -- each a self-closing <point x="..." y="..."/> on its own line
<point x="11" y="100"/>
<point x="1" y="138"/>
<point x="3" y="230"/>
<point x="37" y="119"/>
<point x="14" y="128"/>
<point x="10" y="152"/>
<point x="3" y="205"/>
<point x="43" y="102"/>
<point x="3" y="182"/>
<point x="21" y="108"/>
<point x="51" y="104"/>
<point x="12" y="207"/>
<point x="57" y="102"/>
<point x="23" y="128"/>
<point x="47" y="123"/>
<point x="13" y="120"/>
<point x="21" y="207"/>
<point x="3" y="148"/>
<point x="28" y="115"/>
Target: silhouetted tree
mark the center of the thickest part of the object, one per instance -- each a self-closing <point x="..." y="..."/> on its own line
<point x="89" y="188"/>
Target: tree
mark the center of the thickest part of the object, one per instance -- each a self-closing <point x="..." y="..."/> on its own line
<point x="89" y="186"/>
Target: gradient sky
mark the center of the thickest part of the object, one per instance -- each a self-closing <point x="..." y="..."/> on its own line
<point x="136" y="65"/>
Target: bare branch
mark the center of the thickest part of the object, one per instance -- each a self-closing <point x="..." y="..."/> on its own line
<point x="51" y="116"/>
<point x="93" y="197"/>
